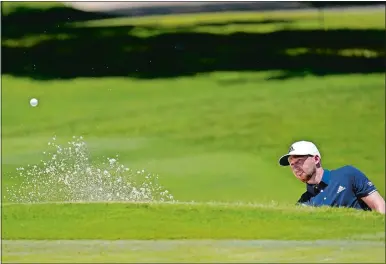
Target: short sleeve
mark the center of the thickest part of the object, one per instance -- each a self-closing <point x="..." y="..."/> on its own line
<point x="362" y="185"/>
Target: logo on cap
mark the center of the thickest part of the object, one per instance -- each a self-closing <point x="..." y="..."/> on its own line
<point x="291" y="149"/>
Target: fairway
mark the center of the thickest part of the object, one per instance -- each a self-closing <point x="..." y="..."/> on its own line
<point x="157" y="139"/>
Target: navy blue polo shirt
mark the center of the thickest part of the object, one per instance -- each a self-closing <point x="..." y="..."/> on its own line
<point x="342" y="187"/>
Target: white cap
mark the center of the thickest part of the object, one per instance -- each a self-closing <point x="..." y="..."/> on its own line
<point x="300" y="148"/>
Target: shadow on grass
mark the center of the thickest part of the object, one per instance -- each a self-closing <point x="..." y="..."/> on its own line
<point x="25" y="21"/>
<point x="70" y="52"/>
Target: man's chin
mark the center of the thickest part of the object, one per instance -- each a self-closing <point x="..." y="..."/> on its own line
<point x="305" y="179"/>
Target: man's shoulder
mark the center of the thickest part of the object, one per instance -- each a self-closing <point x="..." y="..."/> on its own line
<point x="346" y="170"/>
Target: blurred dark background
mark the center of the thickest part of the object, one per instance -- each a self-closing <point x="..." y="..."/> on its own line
<point x="41" y="44"/>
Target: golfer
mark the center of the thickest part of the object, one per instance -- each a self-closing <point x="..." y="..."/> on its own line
<point x="346" y="186"/>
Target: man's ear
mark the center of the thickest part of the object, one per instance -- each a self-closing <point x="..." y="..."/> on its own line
<point x="318" y="161"/>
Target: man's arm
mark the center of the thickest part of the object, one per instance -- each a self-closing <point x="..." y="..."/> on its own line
<point x="365" y="190"/>
<point x="375" y="201"/>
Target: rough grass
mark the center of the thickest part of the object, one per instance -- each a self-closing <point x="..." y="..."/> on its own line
<point x="189" y="232"/>
<point x="143" y="221"/>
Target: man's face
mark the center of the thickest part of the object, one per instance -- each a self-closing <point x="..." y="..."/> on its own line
<point x="303" y="167"/>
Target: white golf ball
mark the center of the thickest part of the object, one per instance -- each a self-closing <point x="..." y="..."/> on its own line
<point x="33" y="102"/>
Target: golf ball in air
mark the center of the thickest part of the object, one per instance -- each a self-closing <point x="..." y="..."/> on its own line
<point x="33" y="102"/>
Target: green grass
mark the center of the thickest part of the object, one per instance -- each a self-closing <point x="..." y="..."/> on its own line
<point x="206" y="141"/>
<point x="214" y="22"/>
<point x="124" y="221"/>
<point x="210" y="137"/>
<point x="10" y="7"/>
<point x="193" y="251"/>
<point x="189" y="232"/>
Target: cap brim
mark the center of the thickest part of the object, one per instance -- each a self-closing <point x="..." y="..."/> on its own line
<point x="283" y="161"/>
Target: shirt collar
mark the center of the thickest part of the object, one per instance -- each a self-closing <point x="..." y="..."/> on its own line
<point x="315" y="188"/>
<point x="326" y="176"/>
